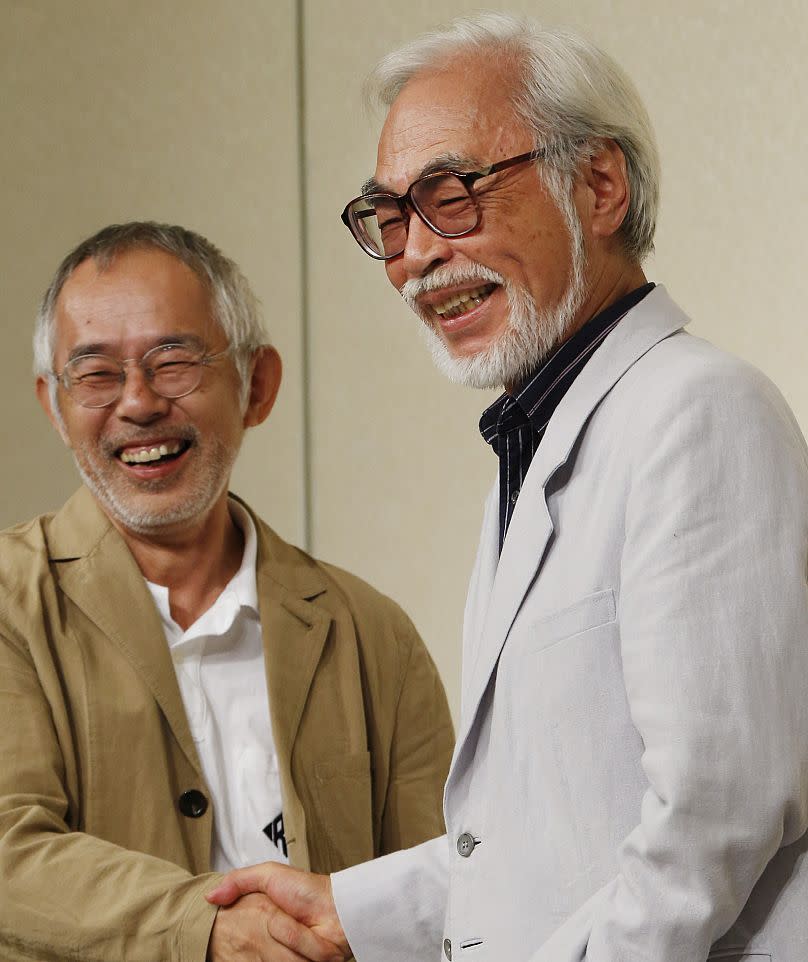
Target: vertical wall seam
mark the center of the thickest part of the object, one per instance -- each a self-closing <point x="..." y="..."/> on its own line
<point x="303" y="274"/>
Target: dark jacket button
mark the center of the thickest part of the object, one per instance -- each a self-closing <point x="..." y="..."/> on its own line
<point x="193" y="803"/>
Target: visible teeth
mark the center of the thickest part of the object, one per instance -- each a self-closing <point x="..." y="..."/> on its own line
<point x="464" y="301"/>
<point x="145" y="455"/>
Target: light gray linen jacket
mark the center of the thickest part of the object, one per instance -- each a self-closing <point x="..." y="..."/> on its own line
<point x="633" y="749"/>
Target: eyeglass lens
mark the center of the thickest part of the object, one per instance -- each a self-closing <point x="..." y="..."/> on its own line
<point x="96" y="380"/>
<point x="442" y="200"/>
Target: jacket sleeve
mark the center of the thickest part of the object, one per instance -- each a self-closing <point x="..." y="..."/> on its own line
<point x="713" y="619"/>
<point x="421" y="750"/>
<point x="393" y="908"/>
<point x="65" y="894"/>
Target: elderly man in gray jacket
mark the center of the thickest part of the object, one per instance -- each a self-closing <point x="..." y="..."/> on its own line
<point x="630" y="783"/>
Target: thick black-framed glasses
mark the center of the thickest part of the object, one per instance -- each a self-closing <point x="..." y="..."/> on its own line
<point x="171" y="370"/>
<point x="444" y="200"/>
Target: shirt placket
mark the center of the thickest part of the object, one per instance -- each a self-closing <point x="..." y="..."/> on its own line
<point x="187" y="657"/>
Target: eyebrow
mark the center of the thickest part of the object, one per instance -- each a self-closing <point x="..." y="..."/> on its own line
<point x="448" y="162"/>
<point x="102" y="347"/>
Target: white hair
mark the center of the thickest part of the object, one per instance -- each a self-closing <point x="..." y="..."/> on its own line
<point x="569" y="93"/>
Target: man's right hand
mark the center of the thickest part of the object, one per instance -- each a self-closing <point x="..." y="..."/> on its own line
<point x="298" y="895"/>
<point x="254" y="929"/>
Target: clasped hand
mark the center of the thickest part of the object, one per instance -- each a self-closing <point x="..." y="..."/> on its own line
<point x="274" y="913"/>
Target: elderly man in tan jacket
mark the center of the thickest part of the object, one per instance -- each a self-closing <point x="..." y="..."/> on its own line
<point x="180" y="690"/>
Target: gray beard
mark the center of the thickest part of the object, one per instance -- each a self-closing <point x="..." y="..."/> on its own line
<point x="530" y="336"/>
<point x="146" y="522"/>
<point x="118" y="505"/>
<point x="208" y="483"/>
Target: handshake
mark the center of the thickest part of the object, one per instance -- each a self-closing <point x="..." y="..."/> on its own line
<point x="274" y="913"/>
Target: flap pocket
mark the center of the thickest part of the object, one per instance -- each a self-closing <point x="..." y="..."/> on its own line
<point x="738" y="955"/>
<point x="583" y="615"/>
<point x="344" y="811"/>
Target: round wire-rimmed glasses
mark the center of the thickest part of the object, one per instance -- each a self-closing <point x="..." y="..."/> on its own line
<point x="171" y="370"/>
<point x="444" y="200"/>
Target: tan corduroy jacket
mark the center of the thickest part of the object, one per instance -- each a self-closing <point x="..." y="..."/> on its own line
<point x="97" y="862"/>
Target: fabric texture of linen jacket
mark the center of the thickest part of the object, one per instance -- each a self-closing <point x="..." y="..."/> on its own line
<point x="630" y="780"/>
<point x="97" y="863"/>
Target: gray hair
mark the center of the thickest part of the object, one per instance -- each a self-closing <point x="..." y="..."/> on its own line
<point x="570" y="94"/>
<point x="235" y="306"/>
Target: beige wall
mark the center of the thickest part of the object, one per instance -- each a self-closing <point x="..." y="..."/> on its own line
<point x="169" y="111"/>
<point x="188" y="111"/>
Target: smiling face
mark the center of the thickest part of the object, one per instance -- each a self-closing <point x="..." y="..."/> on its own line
<point x="516" y="284"/>
<point x="152" y="463"/>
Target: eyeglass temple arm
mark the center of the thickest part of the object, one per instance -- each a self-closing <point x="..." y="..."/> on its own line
<point x="475" y="175"/>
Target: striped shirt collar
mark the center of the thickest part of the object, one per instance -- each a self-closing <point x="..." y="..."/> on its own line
<point x="542" y="390"/>
<point x="515" y="424"/>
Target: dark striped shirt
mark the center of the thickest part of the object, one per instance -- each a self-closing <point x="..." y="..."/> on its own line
<point x="515" y="424"/>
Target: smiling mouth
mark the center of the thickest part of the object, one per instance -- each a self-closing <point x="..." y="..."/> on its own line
<point x="461" y="303"/>
<point x="156" y="454"/>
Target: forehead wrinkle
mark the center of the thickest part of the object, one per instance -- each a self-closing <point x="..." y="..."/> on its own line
<point x="415" y="128"/>
<point x="419" y="137"/>
<point x="120" y="305"/>
<point x="423" y="138"/>
<point x="109" y="349"/>
<point x="449" y="161"/>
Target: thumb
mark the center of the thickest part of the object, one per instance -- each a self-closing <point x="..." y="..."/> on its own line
<point x="239" y="882"/>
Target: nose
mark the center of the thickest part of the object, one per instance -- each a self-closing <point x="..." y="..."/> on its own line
<point x="139" y="402"/>
<point x="425" y="250"/>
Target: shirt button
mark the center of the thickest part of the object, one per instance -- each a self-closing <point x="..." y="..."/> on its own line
<point x="447" y="949"/>
<point x="514" y="496"/>
<point x="193" y="803"/>
<point x="465" y="844"/>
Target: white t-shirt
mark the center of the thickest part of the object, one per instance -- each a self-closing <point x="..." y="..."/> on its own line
<point x="219" y="662"/>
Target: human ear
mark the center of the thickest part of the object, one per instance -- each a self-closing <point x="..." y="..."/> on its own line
<point x="608" y="192"/>
<point x="265" y="379"/>
<point x="43" y="394"/>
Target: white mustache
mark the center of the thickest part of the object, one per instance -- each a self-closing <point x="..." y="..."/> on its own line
<point x="448" y="276"/>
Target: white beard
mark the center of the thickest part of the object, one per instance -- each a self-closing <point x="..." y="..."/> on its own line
<point x="530" y="335"/>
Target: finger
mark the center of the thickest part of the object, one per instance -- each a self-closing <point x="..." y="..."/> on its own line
<point x="248" y="929"/>
<point x="308" y="899"/>
<point x="240" y="882"/>
<point x="301" y="940"/>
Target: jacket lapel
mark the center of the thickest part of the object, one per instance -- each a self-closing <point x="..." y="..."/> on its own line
<point x="98" y="573"/>
<point x="478" y="598"/>
<point x="530" y="531"/>
<point x="295" y="632"/>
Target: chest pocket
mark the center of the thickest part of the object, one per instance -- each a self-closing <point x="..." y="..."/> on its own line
<point x="730" y="955"/>
<point x="584" y="615"/>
